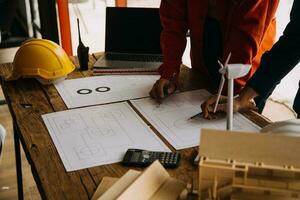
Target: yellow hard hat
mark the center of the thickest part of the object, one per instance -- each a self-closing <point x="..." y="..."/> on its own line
<point x="41" y="59"/>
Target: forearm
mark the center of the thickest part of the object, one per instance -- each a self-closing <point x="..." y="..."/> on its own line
<point x="173" y="36"/>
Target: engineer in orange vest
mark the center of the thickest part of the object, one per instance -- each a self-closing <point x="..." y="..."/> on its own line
<point x="246" y="28"/>
<point x="274" y="66"/>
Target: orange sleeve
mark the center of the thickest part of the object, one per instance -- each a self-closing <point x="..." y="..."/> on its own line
<point x="173" y="36"/>
<point x="250" y="21"/>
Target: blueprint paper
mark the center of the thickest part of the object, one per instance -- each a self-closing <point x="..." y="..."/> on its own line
<point x="104" y="89"/>
<point x="99" y="135"/>
<point x="171" y="118"/>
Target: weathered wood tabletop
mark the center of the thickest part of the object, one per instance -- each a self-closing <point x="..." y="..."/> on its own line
<point x="28" y="100"/>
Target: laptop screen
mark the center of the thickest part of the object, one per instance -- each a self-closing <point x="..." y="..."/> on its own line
<point x="133" y="30"/>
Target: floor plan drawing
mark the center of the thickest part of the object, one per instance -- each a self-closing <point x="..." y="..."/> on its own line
<point x="171" y="118"/>
<point x="86" y="152"/>
<point x="99" y="135"/>
<point x="104" y="89"/>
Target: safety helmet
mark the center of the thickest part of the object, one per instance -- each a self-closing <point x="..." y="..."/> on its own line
<point x="41" y="59"/>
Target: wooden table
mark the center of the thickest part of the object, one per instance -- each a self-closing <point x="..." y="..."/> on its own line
<point x="28" y="100"/>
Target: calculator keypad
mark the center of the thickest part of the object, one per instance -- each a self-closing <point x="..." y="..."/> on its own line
<point x="137" y="157"/>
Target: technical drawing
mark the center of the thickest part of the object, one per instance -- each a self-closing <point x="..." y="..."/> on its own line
<point x="119" y="115"/>
<point x="171" y="118"/>
<point x="84" y="91"/>
<point x="102" y="89"/>
<point x="184" y="123"/>
<point x="87" y="151"/>
<point x="107" y="131"/>
<point x="72" y="123"/>
<point x="168" y="106"/>
<point x="160" y="108"/>
<point x="199" y="122"/>
<point x="98" y="135"/>
<point x="102" y="130"/>
<point x="109" y="116"/>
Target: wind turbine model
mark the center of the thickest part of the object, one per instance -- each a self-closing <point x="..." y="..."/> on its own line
<point x="231" y="71"/>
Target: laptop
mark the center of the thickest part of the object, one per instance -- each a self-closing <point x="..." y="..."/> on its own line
<point x="132" y="40"/>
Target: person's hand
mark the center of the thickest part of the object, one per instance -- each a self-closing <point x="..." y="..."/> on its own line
<point x="161" y="89"/>
<point x="239" y="104"/>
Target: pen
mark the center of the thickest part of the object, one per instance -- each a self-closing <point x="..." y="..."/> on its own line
<point x="199" y="114"/>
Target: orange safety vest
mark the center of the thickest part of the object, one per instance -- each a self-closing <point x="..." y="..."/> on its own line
<point x="248" y="29"/>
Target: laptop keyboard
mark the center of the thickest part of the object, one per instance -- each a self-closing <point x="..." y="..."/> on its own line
<point x="137" y="57"/>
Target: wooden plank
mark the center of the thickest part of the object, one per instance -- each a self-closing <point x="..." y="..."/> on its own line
<point x="257" y="118"/>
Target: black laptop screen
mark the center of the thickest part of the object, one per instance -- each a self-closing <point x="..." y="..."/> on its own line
<point x="133" y="30"/>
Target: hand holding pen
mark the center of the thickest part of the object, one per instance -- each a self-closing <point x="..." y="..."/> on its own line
<point x="209" y="106"/>
<point x="206" y="105"/>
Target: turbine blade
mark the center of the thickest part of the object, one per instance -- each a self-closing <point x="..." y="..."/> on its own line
<point x="227" y="60"/>
<point x="219" y="92"/>
<point x="221" y="65"/>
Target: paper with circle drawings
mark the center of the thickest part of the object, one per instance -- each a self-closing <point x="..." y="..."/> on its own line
<point x="104" y="89"/>
<point x="171" y="118"/>
<point x="99" y="135"/>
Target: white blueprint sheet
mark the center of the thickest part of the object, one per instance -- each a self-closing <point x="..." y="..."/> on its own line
<point x="99" y="135"/>
<point x="104" y="89"/>
<point x="171" y="118"/>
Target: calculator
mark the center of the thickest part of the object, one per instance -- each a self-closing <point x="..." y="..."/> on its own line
<point x="143" y="158"/>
